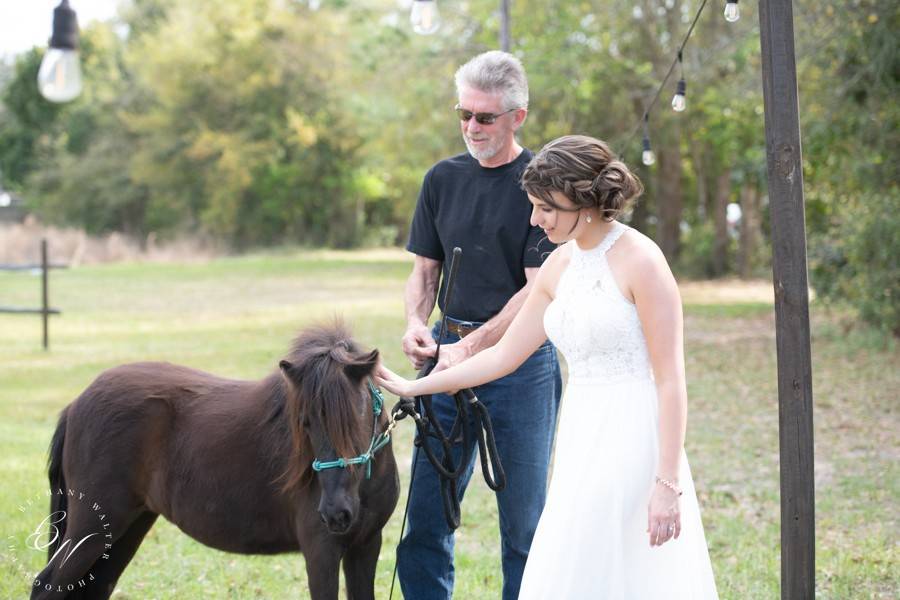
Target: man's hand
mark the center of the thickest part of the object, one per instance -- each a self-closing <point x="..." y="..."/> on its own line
<point x="418" y="345"/>
<point x="452" y="354"/>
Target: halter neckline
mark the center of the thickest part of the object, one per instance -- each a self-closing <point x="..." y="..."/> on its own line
<point x="616" y="230"/>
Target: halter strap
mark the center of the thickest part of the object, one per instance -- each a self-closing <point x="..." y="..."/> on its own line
<point x="612" y="236"/>
<point x="378" y="442"/>
<point x="615" y="232"/>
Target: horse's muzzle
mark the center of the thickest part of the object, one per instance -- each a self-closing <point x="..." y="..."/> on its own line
<point x="337" y="521"/>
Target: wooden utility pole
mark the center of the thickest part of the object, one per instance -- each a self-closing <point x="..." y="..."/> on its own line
<point x="795" y="399"/>
<point x="504" y="25"/>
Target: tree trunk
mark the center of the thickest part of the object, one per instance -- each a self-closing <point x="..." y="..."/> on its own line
<point x="749" y="230"/>
<point x="700" y="177"/>
<point x="720" y="246"/>
<point x="640" y="213"/>
<point x="670" y="202"/>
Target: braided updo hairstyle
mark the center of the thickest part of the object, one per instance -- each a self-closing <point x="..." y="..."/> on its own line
<point x="586" y="172"/>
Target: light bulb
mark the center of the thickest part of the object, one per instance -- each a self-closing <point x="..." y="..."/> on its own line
<point x="732" y="12"/>
<point x="647" y="156"/>
<point x="678" y="101"/>
<point x="59" y="78"/>
<point x="425" y="17"/>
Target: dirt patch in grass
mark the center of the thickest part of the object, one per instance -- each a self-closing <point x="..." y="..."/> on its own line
<point x="727" y="291"/>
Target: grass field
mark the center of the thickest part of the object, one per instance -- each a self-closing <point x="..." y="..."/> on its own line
<point x="236" y="316"/>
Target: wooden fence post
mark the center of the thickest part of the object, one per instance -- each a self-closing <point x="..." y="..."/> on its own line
<point x="789" y="270"/>
<point x="44" y="309"/>
<point x="45" y="304"/>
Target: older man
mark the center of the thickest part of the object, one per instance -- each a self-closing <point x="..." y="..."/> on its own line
<point x="474" y="201"/>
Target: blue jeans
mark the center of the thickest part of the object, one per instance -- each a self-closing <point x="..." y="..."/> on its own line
<point x="523" y="407"/>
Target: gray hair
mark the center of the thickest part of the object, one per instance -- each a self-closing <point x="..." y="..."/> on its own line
<point x="496" y="72"/>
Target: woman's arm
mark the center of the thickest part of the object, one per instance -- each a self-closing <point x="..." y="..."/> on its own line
<point x="659" y="309"/>
<point x="524" y="335"/>
<point x="490" y="332"/>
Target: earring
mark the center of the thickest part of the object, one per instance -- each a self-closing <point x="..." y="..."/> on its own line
<point x="589" y="219"/>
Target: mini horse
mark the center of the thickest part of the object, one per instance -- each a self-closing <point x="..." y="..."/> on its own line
<point x="230" y="462"/>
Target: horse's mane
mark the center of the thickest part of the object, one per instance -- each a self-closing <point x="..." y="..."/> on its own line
<point x="322" y="378"/>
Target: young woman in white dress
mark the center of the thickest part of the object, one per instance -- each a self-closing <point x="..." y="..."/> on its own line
<point x="621" y="519"/>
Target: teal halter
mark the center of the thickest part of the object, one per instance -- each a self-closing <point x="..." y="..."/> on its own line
<point x="379" y="441"/>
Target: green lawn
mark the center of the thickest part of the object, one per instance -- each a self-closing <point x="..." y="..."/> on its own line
<point x="236" y="316"/>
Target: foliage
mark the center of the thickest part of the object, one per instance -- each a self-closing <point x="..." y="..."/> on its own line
<point x="259" y="122"/>
<point x="696" y="259"/>
<point x="858" y="261"/>
<point x="24" y="118"/>
<point x="851" y="159"/>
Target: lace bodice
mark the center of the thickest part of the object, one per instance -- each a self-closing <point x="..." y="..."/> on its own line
<point x="592" y="323"/>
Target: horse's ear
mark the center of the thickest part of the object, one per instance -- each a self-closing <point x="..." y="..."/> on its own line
<point x="362" y="366"/>
<point x="287" y="369"/>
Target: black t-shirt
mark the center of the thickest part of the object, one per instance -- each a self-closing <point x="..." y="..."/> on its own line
<point x="486" y="213"/>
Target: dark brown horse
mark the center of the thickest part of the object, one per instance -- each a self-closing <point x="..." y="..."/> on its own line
<point x="229" y="462"/>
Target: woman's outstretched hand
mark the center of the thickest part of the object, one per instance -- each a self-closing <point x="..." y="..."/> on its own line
<point x="392" y="382"/>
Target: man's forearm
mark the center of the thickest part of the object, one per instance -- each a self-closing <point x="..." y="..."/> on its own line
<point x="490" y="333"/>
<point x="419" y="298"/>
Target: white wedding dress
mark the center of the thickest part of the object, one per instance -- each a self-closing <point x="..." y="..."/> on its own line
<point x="591" y="542"/>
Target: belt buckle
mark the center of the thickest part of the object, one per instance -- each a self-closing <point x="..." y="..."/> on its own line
<point x="464" y="328"/>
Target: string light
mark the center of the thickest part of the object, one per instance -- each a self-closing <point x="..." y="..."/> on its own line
<point x="678" y="101"/>
<point x="732" y="12"/>
<point x="647" y="156"/>
<point x="59" y="77"/>
<point x="425" y="17"/>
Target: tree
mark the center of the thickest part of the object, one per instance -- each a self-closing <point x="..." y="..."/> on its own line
<point x="25" y="116"/>
<point x="852" y="76"/>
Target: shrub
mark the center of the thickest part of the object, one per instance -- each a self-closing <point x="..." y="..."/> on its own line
<point x="857" y="260"/>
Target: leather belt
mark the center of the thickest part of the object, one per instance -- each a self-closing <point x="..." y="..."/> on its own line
<point x="460" y="329"/>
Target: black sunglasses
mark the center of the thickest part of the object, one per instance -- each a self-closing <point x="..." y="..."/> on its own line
<point x="481" y="118"/>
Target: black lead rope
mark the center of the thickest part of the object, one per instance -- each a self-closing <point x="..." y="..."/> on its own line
<point x="472" y="419"/>
<point x="429" y="427"/>
<point x="449" y="471"/>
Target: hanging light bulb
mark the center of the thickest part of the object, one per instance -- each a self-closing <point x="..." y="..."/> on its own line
<point x="678" y="100"/>
<point x="647" y="156"/>
<point x="732" y="12"/>
<point x="425" y="17"/>
<point x="59" y="78"/>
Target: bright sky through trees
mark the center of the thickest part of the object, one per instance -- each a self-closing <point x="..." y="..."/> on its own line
<point x="27" y="24"/>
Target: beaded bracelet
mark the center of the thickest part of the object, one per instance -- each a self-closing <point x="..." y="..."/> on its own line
<point x="670" y="485"/>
